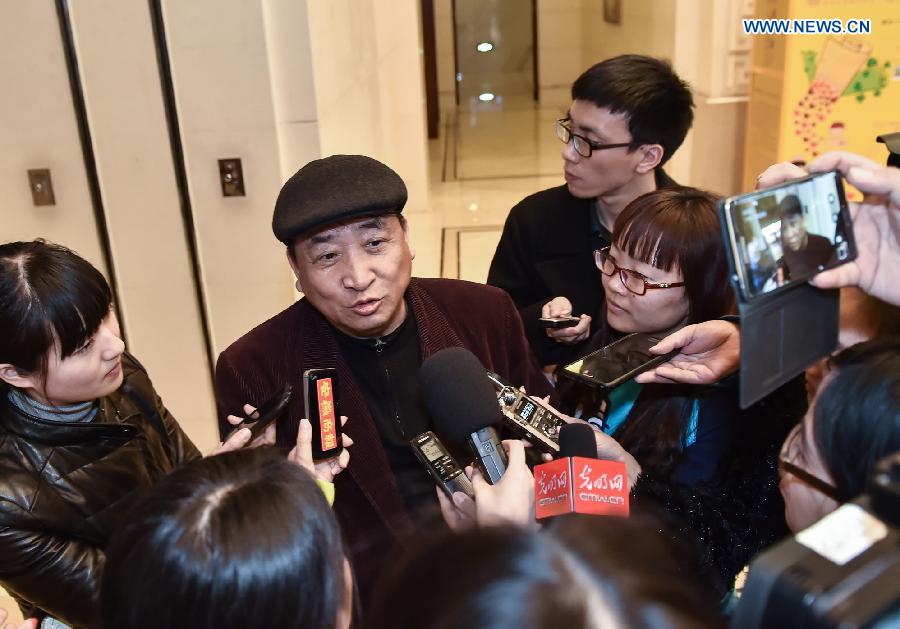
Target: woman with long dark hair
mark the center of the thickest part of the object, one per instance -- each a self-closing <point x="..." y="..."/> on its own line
<point x="665" y="269"/>
<point x="689" y="448"/>
<point x="82" y="430"/>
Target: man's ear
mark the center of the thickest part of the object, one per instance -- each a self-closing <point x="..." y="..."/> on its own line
<point x="16" y="378"/>
<point x="291" y="253"/>
<point x="412" y="251"/>
<point x="652" y="156"/>
<point x="404" y="225"/>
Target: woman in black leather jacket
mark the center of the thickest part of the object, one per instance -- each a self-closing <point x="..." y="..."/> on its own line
<point x="81" y="429"/>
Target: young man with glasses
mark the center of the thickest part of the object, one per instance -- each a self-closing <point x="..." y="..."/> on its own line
<point x="628" y="116"/>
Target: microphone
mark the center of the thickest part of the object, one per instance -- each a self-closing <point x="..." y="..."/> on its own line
<point x="579" y="482"/>
<point x="463" y="405"/>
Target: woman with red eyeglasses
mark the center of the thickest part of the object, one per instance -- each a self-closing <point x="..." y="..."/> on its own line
<point x="666" y="268"/>
<point x="688" y="447"/>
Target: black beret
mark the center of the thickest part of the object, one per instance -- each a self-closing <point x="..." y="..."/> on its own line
<point x="790" y="204"/>
<point x="333" y="189"/>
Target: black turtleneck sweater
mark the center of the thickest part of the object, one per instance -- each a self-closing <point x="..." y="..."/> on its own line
<point x="387" y="371"/>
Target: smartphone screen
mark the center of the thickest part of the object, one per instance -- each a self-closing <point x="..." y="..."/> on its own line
<point x="786" y="234"/>
<point x="322" y="410"/>
<point x="618" y="362"/>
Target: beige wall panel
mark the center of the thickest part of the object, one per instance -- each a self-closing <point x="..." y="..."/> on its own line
<point x="220" y="71"/>
<point x="369" y="90"/>
<point x="647" y="28"/>
<point x="560" y="48"/>
<point x="446" y="63"/>
<point x="293" y="88"/>
<point x="39" y="130"/>
<point x="125" y="109"/>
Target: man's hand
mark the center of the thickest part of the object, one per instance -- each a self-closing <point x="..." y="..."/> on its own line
<point x="562" y="307"/>
<point x="325" y="469"/>
<point x="31" y="623"/>
<point x="876" y="225"/>
<point x="779" y="173"/>
<point x="510" y="501"/>
<point x="459" y="514"/>
<point x="876" y="222"/>
<point x="240" y="438"/>
<point x="709" y="351"/>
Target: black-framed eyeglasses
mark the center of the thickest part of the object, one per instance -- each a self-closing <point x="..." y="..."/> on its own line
<point x="789" y="451"/>
<point x="583" y="146"/>
<point x="632" y="280"/>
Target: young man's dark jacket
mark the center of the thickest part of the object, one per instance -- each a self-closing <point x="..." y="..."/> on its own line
<point x="368" y="503"/>
<point x="547" y="251"/>
<point x="64" y="486"/>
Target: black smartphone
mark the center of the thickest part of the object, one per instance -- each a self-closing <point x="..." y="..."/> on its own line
<point x="779" y="236"/>
<point x="443" y="468"/>
<point x="559" y="322"/>
<point x="618" y="362"/>
<point x="269" y="411"/>
<point x="320" y="400"/>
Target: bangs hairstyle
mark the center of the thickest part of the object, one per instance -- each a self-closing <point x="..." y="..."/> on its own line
<point x="242" y="539"/>
<point x="48" y="294"/>
<point x="678" y="228"/>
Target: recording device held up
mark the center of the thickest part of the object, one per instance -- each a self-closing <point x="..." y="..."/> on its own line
<point x="268" y="412"/>
<point x="776" y="239"/>
<point x="461" y="401"/>
<point x="320" y="399"/>
<point x="526" y="417"/>
<point x="579" y="482"/>
<point x="618" y="362"/>
<point x="785" y="234"/>
<point x="442" y="467"/>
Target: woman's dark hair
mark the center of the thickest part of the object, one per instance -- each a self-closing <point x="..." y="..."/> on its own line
<point x="659" y="105"/>
<point x="672" y="228"/>
<point x="48" y="294"/>
<point x="243" y="539"/>
<point x="856" y="418"/>
<point x="581" y="572"/>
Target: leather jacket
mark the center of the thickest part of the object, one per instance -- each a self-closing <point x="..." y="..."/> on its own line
<point x="63" y="487"/>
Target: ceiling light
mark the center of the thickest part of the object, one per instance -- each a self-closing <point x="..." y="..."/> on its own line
<point x="486" y="97"/>
<point x="484" y="46"/>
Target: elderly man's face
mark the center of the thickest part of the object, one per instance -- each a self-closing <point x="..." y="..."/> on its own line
<point x="793" y="232"/>
<point x="355" y="273"/>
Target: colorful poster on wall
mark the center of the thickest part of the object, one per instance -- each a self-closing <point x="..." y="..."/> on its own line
<point x="838" y="91"/>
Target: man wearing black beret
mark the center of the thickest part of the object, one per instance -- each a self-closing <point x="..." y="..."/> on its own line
<point x="362" y="313"/>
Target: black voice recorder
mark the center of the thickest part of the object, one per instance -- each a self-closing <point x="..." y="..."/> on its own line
<point x="527" y="418"/>
<point x="442" y="467"/>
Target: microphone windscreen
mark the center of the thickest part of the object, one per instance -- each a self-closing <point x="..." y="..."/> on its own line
<point x="457" y="393"/>
<point x="577" y="439"/>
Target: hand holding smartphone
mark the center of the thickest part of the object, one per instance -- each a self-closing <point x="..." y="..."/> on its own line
<point x="784" y="235"/>
<point x="320" y="399"/>
<point x="269" y="411"/>
<point x="618" y="362"/>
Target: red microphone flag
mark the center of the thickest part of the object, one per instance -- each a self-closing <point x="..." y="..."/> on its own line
<point x="580" y="485"/>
